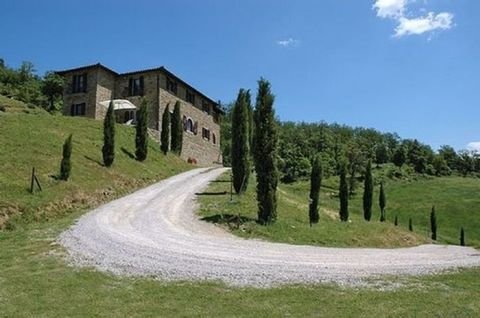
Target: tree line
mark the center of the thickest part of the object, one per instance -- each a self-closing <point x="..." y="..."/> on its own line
<point x="299" y="143"/>
<point x="24" y="84"/>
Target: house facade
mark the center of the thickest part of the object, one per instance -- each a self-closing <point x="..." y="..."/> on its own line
<point x="89" y="89"/>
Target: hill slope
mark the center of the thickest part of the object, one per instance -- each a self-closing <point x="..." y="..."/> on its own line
<point x="36" y="141"/>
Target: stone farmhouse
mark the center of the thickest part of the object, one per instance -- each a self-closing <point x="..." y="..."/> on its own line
<point x="89" y="89"/>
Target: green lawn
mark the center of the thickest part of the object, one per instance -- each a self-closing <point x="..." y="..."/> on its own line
<point x="35" y="281"/>
<point x="36" y="141"/>
<point x="455" y="199"/>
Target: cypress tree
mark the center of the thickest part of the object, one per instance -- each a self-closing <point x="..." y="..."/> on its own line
<point x="462" y="237"/>
<point x="433" y="223"/>
<point x="396" y="220"/>
<point x="382" y="201"/>
<point x="165" y="134"/>
<point x="368" y="192"/>
<point x="410" y="225"/>
<point x="343" y="193"/>
<point x="108" y="149"/>
<point x="240" y="147"/>
<point x="177" y="130"/>
<point x="265" y="153"/>
<point x="65" y="165"/>
<point x="315" y="183"/>
<point x="248" y="100"/>
<point x="141" y="132"/>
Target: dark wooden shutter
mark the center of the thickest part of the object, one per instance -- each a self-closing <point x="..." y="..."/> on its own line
<point x="74" y="82"/>
<point x="195" y="128"/>
<point x="83" y="109"/>
<point x="84" y="82"/>
<point x="130" y="87"/>
<point x="141" y="86"/>
<point x="72" y="110"/>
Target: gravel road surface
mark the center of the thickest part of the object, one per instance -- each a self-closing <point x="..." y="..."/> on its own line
<point x="154" y="232"/>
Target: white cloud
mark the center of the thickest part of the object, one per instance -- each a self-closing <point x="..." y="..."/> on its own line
<point x="474" y="146"/>
<point x="428" y="23"/>
<point x="390" y="8"/>
<point x="288" y="42"/>
<point x="407" y="24"/>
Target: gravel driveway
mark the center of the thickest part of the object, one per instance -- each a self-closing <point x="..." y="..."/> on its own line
<point x="155" y="232"/>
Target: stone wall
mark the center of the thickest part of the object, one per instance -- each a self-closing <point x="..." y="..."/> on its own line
<point x="89" y="97"/>
<point x="204" y="151"/>
<point x="105" y="91"/>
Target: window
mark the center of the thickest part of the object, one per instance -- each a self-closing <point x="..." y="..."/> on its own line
<point x="205" y="107"/>
<point x="191" y="97"/>
<point x="171" y="85"/>
<point x="205" y="133"/>
<point x="189" y="125"/>
<point x="135" y="86"/>
<point x="214" y="139"/>
<point x="129" y="115"/>
<point x="79" y="83"/>
<point x="78" y="109"/>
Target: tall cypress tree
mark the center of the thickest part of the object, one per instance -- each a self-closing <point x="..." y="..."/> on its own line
<point x="240" y="147"/>
<point x="108" y="149"/>
<point x="368" y="192"/>
<point x="396" y="221"/>
<point x="248" y="100"/>
<point x="382" y="201"/>
<point x="315" y="184"/>
<point x="410" y="225"/>
<point x="433" y="223"/>
<point x="265" y="153"/>
<point x="66" y="165"/>
<point x="343" y="193"/>
<point x="141" y="132"/>
<point x="177" y="130"/>
<point x="165" y="134"/>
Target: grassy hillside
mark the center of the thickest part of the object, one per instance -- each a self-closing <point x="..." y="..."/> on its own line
<point x="455" y="199"/>
<point x="10" y="105"/>
<point x="36" y="141"/>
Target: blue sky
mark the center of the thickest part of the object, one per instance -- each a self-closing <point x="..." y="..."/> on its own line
<point x="405" y="66"/>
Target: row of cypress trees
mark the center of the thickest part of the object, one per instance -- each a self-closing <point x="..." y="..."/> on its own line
<point x="171" y="137"/>
<point x="141" y="137"/>
<point x="254" y="135"/>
